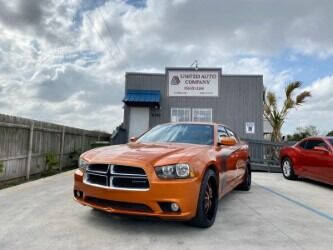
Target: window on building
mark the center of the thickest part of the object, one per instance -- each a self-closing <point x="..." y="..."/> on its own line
<point x="180" y="114"/>
<point x="202" y="115"/>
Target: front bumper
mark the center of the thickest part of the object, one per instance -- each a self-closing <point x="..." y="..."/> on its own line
<point x="184" y="192"/>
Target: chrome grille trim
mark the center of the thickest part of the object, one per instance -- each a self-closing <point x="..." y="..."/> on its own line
<point x="110" y="175"/>
<point x="98" y="171"/>
<point x="111" y="167"/>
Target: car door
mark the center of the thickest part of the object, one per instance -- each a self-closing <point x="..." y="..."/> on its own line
<point x="226" y="160"/>
<point x="300" y="161"/>
<point x="329" y="168"/>
<point x="240" y="156"/>
<point x="327" y="157"/>
<point x="315" y="161"/>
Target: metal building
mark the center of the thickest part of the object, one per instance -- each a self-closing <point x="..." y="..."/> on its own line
<point x="188" y="94"/>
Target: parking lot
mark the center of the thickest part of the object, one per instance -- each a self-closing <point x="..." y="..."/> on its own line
<point x="275" y="214"/>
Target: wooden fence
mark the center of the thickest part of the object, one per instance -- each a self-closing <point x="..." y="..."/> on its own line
<point x="24" y="144"/>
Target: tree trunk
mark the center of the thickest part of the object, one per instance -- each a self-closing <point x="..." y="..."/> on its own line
<point x="276" y="134"/>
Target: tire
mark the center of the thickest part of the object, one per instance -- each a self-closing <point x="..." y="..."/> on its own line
<point x="207" y="202"/>
<point x="288" y="169"/>
<point x="246" y="184"/>
<point x="205" y="216"/>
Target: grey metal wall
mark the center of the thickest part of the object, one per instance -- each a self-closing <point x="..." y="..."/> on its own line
<point x="240" y="101"/>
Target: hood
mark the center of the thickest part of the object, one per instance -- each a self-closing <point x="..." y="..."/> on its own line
<point x="153" y="154"/>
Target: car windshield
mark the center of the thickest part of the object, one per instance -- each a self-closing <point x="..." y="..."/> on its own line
<point x="331" y="141"/>
<point x="181" y="133"/>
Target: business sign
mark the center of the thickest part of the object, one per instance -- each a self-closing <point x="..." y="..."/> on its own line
<point x="250" y="128"/>
<point x="193" y="83"/>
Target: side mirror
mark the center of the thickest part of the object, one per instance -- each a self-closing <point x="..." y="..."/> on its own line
<point x="133" y="139"/>
<point x="227" y="141"/>
<point x="321" y="149"/>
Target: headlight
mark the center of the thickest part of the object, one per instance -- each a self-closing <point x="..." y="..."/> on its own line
<point x="181" y="170"/>
<point x="83" y="164"/>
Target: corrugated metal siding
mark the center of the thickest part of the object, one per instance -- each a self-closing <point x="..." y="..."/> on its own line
<point x="240" y="101"/>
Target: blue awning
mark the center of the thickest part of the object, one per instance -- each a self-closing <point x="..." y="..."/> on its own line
<point x="142" y="97"/>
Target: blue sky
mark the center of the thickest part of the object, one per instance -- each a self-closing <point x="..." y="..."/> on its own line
<point x="62" y="60"/>
<point x="304" y="68"/>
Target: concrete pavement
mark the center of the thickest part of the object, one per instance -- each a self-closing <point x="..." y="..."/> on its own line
<point x="275" y="214"/>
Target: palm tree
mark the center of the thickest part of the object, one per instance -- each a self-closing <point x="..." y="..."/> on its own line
<point x="277" y="117"/>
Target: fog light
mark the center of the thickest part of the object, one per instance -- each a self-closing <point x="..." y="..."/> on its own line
<point x="78" y="194"/>
<point x="174" y="207"/>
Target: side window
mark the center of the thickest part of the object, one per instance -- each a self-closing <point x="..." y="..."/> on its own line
<point x="302" y="144"/>
<point x="315" y="143"/>
<point x="221" y="132"/>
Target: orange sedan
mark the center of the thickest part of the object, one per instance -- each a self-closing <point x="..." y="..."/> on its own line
<point x="175" y="171"/>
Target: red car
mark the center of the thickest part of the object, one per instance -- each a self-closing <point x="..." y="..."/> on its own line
<point x="310" y="158"/>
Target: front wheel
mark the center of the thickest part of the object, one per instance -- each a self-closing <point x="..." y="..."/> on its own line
<point x="208" y="201"/>
<point x="287" y="169"/>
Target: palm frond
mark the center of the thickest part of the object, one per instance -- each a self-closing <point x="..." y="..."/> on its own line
<point x="267" y="109"/>
<point x="271" y="99"/>
<point x="288" y="104"/>
<point x="291" y="87"/>
<point x="300" y="99"/>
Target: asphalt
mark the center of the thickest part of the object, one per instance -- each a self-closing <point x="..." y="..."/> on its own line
<point x="275" y="214"/>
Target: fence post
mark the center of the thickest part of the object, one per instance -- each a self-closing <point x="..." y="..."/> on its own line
<point x="62" y="147"/>
<point x="31" y="134"/>
<point x="82" y="142"/>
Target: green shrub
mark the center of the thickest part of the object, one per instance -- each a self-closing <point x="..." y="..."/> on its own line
<point x="1" y="167"/>
<point x="50" y="161"/>
<point x="74" y="157"/>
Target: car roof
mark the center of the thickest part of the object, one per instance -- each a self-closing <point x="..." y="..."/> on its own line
<point x="201" y="123"/>
<point x="318" y="137"/>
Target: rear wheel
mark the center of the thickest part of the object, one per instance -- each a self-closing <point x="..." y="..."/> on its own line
<point x="208" y="201"/>
<point x="287" y="169"/>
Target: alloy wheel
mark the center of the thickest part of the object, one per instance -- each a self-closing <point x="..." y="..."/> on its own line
<point x="209" y="200"/>
<point x="286" y="168"/>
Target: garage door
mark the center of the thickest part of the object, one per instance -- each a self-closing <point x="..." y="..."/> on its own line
<point x="139" y="121"/>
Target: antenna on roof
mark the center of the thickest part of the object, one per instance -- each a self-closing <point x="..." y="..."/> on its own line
<point x="196" y="64"/>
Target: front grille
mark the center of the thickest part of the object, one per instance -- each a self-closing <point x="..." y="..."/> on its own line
<point x="117" y="176"/>
<point x="118" y="169"/>
<point x="101" y="168"/>
<point x="130" y="182"/>
<point x="96" y="179"/>
<point x="118" y="204"/>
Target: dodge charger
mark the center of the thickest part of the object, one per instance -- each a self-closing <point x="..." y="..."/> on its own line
<point x="175" y="171"/>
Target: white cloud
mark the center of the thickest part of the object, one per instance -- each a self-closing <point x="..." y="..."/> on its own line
<point x="52" y="68"/>
<point x="318" y="109"/>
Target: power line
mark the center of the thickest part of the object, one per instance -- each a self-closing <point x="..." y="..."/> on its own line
<point x="109" y="29"/>
<point x="100" y="37"/>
